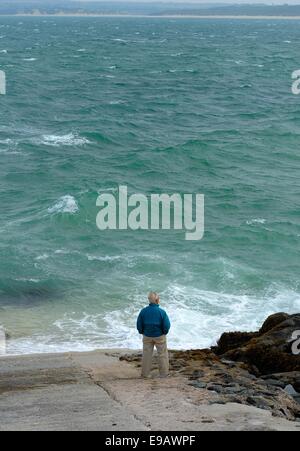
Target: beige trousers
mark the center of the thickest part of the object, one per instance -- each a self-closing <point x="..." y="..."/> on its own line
<point x="163" y="357"/>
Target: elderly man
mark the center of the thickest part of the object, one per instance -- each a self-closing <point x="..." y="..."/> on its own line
<point x="153" y="322"/>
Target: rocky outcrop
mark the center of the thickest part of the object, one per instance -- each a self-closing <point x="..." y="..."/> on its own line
<point x="266" y="352"/>
<point x="221" y="381"/>
<point x="255" y="369"/>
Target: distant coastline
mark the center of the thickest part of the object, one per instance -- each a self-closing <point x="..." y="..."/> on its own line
<point x="148" y="16"/>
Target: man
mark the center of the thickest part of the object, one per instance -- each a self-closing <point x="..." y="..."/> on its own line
<point x="153" y="322"/>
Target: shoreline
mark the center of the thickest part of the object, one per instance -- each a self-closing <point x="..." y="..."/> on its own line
<point x="145" y="16"/>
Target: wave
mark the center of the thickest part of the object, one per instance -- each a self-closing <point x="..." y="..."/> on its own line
<point x="122" y="41"/>
<point x="66" y="204"/>
<point x="198" y="318"/>
<point x="256" y="221"/>
<point x="106" y="258"/>
<point x="70" y="139"/>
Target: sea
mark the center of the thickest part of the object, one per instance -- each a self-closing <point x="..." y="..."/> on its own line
<point x="158" y="105"/>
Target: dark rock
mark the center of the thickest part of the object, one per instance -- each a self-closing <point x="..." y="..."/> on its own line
<point x="229" y="363"/>
<point x="270" y="352"/>
<point x="292" y="378"/>
<point x="272" y="322"/>
<point x="233" y="390"/>
<point x="215" y="388"/>
<point x="258" y="401"/>
<point x="275" y="383"/>
<point x="198" y="384"/>
<point x="198" y="374"/>
<point x="233" y="340"/>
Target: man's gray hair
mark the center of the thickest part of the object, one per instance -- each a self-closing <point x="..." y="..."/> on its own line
<point x="153" y="297"/>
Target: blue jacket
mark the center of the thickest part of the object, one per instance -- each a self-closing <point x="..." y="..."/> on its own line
<point x="153" y="321"/>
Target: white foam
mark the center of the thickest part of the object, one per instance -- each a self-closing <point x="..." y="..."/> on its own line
<point x="256" y="221"/>
<point x="28" y="280"/>
<point x="42" y="257"/>
<point x="198" y="319"/>
<point x="10" y="147"/>
<point x="107" y="76"/>
<point x="66" y="204"/>
<point x="64" y="140"/>
<point x="106" y="258"/>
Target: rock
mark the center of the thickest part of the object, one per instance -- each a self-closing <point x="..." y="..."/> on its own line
<point x="275" y="383"/>
<point x="197" y="374"/>
<point x="229" y="363"/>
<point x="273" y="321"/>
<point x="246" y="368"/>
<point x="289" y="389"/>
<point x="215" y="388"/>
<point x="198" y="384"/>
<point x="284" y="379"/>
<point x="260" y="402"/>
<point x="232" y="340"/>
<point x="233" y="390"/>
<point x="269" y="350"/>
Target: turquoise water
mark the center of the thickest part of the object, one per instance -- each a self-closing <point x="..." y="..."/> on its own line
<point x="189" y="106"/>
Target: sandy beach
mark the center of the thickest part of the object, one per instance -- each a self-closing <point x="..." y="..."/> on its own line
<point x="98" y="391"/>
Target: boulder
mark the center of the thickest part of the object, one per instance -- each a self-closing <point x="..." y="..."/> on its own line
<point x="273" y="321"/>
<point x="233" y="340"/>
<point x="266" y="352"/>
